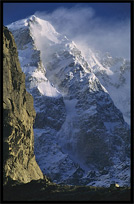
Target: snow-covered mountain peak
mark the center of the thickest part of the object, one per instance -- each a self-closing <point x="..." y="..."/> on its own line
<point x="44" y="34"/>
<point x="22" y="23"/>
<point x="44" y="29"/>
<point x="78" y="129"/>
<point x="33" y="20"/>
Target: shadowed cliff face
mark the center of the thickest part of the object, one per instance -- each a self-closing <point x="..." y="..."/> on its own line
<point x="18" y="118"/>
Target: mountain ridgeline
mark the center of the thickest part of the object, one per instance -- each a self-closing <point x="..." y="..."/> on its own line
<point x="81" y="137"/>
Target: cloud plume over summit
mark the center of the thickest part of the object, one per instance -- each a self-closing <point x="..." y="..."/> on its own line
<point x="87" y="29"/>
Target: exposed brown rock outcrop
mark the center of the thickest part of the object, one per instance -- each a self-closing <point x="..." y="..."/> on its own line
<point x="18" y="118"/>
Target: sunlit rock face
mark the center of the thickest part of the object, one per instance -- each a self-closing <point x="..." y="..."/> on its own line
<point x="18" y="119"/>
<point x="80" y="135"/>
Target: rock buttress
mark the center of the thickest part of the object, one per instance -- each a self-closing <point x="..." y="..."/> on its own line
<point x="18" y="117"/>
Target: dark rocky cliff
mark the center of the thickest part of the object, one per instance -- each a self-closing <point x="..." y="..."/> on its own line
<point x="18" y="118"/>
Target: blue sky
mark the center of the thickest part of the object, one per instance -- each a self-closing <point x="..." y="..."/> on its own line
<point x="99" y="26"/>
<point x="16" y="11"/>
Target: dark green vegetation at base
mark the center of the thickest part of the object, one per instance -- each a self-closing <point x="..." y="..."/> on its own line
<point x="42" y="191"/>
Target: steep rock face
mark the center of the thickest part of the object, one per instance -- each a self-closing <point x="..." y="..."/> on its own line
<point x="18" y="115"/>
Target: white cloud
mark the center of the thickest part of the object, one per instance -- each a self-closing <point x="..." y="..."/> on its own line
<point x="82" y="25"/>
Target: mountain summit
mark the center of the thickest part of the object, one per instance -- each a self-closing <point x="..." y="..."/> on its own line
<point x="80" y="135"/>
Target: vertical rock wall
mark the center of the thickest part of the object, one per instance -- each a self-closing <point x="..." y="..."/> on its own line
<point x="18" y="118"/>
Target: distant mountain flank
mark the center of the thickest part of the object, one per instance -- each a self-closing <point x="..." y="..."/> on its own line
<point x="114" y="74"/>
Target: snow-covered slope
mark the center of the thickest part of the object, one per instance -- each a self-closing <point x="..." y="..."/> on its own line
<point x="80" y="135"/>
<point x="114" y="74"/>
